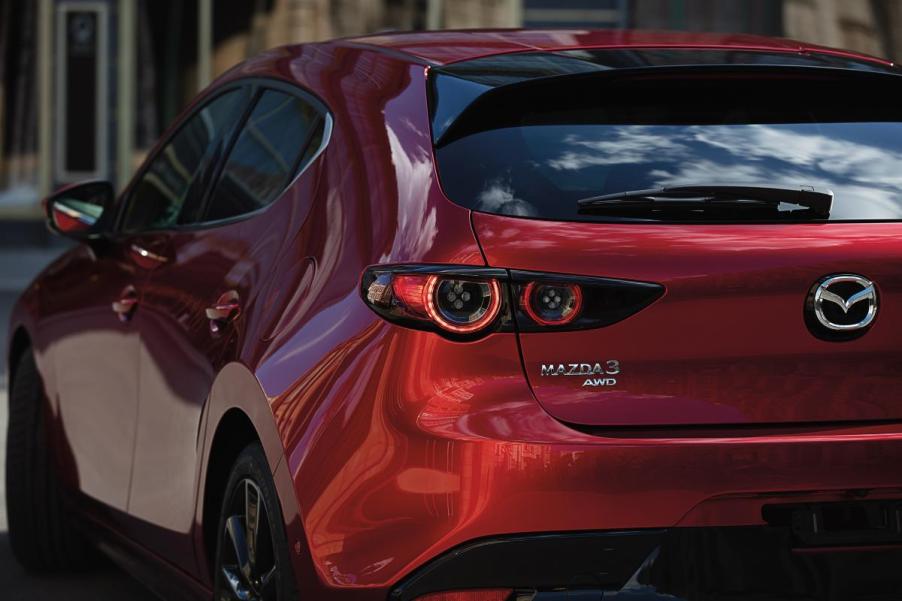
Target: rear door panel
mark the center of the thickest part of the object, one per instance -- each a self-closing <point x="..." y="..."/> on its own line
<point x="727" y="343"/>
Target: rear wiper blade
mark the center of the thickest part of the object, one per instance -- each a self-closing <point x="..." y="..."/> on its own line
<point x="698" y="197"/>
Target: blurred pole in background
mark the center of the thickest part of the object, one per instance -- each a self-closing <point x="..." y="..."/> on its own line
<point x="204" y="43"/>
<point x="434" y="14"/>
<point x="125" y="112"/>
<point x="515" y="9"/>
<point x="5" y="14"/>
<point x="45" y="96"/>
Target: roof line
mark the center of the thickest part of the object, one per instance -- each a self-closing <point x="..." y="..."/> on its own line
<point x="394" y="52"/>
<point x="796" y="49"/>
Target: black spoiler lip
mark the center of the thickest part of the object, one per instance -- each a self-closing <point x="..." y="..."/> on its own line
<point x="444" y="120"/>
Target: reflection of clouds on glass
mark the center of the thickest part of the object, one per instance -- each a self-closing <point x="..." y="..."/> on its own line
<point x="853" y="160"/>
<point x="834" y="155"/>
<point x="498" y="197"/>
<point x="630" y="144"/>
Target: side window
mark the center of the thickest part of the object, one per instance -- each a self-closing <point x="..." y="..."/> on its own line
<point x="268" y="153"/>
<point x="168" y="184"/>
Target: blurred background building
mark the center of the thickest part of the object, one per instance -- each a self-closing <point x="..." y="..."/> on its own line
<point x="89" y="85"/>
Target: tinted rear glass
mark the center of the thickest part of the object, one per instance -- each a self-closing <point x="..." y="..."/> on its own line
<point x="535" y="151"/>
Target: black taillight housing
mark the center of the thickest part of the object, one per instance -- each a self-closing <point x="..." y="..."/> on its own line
<point x="455" y="301"/>
<point x="550" y="302"/>
<point x="464" y="303"/>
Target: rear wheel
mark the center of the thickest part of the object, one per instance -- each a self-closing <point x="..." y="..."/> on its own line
<point x="40" y="530"/>
<point x="252" y="559"/>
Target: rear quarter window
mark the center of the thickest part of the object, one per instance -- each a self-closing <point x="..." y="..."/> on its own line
<point x="279" y="138"/>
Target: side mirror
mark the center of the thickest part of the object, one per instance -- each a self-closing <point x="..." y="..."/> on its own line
<point x="78" y="211"/>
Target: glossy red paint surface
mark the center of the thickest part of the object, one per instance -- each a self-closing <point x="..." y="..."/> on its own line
<point x="390" y="446"/>
<point x="705" y="353"/>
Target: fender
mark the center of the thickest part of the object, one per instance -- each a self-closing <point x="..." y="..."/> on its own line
<point x="236" y="387"/>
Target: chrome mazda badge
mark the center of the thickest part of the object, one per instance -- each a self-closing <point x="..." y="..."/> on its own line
<point x="841" y="307"/>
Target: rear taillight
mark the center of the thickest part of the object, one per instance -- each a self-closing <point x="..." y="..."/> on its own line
<point x="457" y="302"/>
<point x="460" y="305"/>
<point x="497" y="594"/>
<point x="468" y="302"/>
<point x="549" y="302"/>
<point x="552" y="304"/>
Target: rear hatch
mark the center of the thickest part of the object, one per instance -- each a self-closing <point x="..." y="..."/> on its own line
<point x="771" y="312"/>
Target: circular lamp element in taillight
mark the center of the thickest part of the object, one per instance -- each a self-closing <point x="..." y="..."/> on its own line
<point x="552" y="304"/>
<point x="462" y="306"/>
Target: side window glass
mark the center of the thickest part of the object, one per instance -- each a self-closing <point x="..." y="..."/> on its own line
<point x="266" y="156"/>
<point x="168" y="184"/>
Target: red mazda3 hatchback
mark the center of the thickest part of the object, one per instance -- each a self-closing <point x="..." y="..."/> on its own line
<point x="483" y="316"/>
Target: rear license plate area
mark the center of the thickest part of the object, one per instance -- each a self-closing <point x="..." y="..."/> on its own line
<point x="842" y="524"/>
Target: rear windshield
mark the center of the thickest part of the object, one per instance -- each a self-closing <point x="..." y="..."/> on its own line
<point x="536" y="150"/>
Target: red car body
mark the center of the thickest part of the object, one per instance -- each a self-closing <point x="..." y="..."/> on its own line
<point x="395" y="450"/>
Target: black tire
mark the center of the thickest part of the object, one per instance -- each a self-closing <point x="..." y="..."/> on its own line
<point x="268" y="559"/>
<point x="40" y="529"/>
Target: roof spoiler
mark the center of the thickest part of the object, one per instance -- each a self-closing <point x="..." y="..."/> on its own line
<point x="457" y="88"/>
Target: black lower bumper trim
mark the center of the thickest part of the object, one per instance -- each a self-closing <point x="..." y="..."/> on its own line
<point x="535" y="562"/>
<point x="680" y="564"/>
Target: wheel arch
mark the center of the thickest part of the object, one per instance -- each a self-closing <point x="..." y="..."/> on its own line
<point x="237" y="414"/>
<point x="233" y="433"/>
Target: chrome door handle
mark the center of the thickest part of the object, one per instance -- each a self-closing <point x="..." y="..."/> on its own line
<point x="126" y="305"/>
<point x="143" y="253"/>
<point x="223" y="312"/>
<point x="226" y="309"/>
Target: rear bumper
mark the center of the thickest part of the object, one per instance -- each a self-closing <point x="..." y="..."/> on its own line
<point x="430" y="460"/>
<point x="435" y="495"/>
<point x="691" y="564"/>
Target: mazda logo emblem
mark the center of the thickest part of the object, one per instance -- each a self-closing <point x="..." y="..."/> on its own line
<point x="841" y="307"/>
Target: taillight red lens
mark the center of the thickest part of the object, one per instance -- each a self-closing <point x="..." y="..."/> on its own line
<point x="411" y="290"/>
<point x="551" y="304"/>
<point x="462" y="306"/>
<point x="459" y="302"/>
<point x="498" y="594"/>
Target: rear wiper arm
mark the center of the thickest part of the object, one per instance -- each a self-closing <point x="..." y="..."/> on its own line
<point x="819" y="202"/>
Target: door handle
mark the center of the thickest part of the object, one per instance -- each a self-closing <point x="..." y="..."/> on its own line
<point x="226" y="309"/>
<point x="125" y="307"/>
<point x="146" y="254"/>
<point x="145" y="258"/>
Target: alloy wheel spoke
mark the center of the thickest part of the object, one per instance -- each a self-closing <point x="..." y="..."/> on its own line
<point x="238" y="538"/>
<point x="247" y="563"/>
<point x="233" y="579"/>
<point x="267" y="583"/>
<point x="252" y="521"/>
